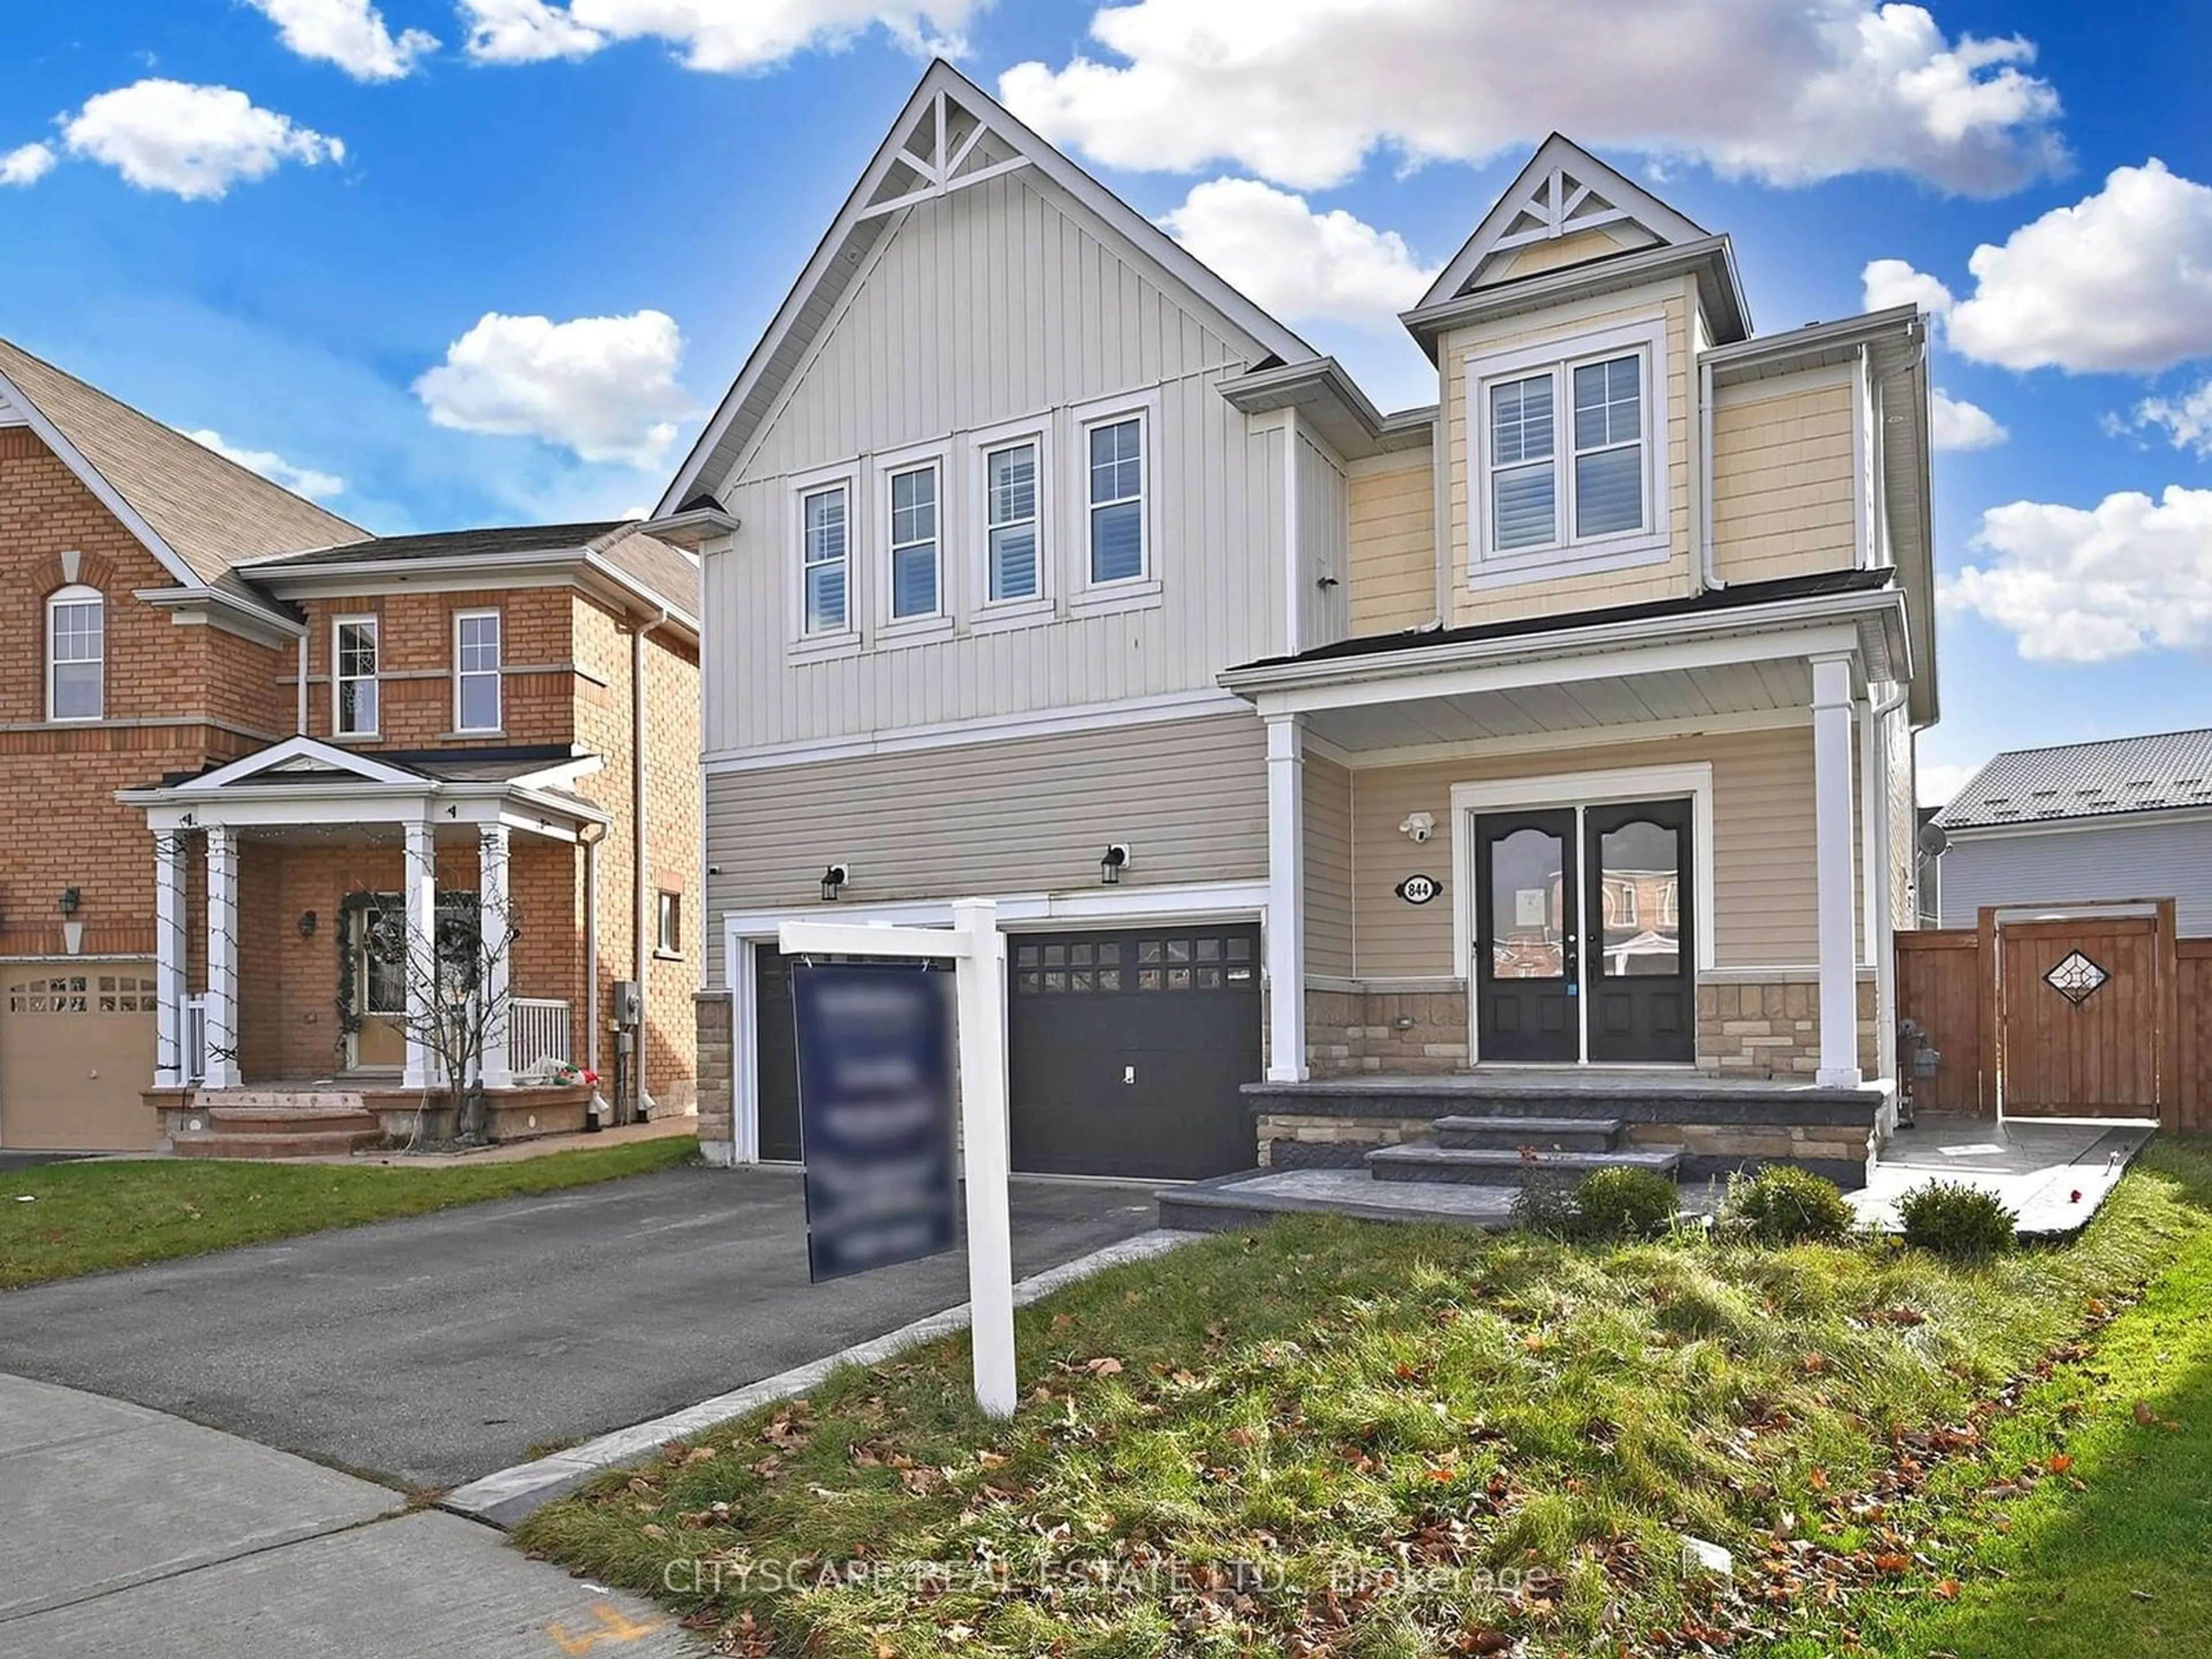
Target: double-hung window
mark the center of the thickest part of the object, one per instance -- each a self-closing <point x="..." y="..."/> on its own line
<point x="353" y="678"/>
<point x="1115" y="451"/>
<point x="1568" y="447"/>
<point x="76" y="654"/>
<point x="476" y="671"/>
<point x="825" y="522"/>
<point x="1009" y="513"/>
<point x="914" y="542"/>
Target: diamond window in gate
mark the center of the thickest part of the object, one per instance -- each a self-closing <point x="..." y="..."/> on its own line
<point x="2076" y="978"/>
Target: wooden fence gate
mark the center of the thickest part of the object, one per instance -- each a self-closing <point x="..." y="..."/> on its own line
<point x="2099" y="1013"/>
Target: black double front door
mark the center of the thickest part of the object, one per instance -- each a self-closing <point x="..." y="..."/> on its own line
<point x="1582" y="933"/>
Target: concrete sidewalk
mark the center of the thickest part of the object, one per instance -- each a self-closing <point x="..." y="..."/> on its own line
<point x="125" y="1531"/>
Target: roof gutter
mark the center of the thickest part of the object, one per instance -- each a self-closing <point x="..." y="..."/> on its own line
<point x="1885" y="605"/>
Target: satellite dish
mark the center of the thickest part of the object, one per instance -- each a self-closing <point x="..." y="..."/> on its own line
<point x="1933" y="840"/>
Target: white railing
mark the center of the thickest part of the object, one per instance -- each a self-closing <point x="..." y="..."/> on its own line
<point x="196" y="1050"/>
<point x="536" y="1034"/>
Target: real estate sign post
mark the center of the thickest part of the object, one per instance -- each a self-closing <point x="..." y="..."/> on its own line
<point x="978" y="953"/>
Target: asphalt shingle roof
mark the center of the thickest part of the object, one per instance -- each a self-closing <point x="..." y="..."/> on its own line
<point x="661" y="569"/>
<point x="2163" y="772"/>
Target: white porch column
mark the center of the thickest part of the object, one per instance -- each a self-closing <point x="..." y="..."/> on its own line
<point x="172" y="1066"/>
<point x="223" y="1071"/>
<point x="1286" y="901"/>
<point x="1832" y="834"/>
<point x="421" y="911"/>
<point x="495" y="951"/>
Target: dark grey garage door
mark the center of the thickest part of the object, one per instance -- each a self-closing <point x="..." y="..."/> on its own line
<point x="1127" y="1051"/>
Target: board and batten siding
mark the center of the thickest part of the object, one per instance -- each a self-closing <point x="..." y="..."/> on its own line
<point x="1324" y="609"/>
<point x="1783" y="479"/>
<point x="1675" y="577"/>
<point x="1328" y="800"/>
<point x="1393" y="515"/>
<point x="1766" y="909"/>
<point x="1024" y="815"/>
<point x="2149" y="857"/>
<point x="1004" y="303"/>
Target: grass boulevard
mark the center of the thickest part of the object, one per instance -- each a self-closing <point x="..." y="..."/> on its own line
<point x="1339" y="1439"/>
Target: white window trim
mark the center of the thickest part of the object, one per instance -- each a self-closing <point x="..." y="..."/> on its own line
<point x="846" y="639"/>
<point x="661" y="947"/>
<point x="338" y="680"/>
<point x="930" y="625"/>
<point x="1568" y="555"/>
<point x="76" y="593"/>
<point x="987" y="614"/>
<point x="1144" y="588"/>
<point x="498" y="674"/>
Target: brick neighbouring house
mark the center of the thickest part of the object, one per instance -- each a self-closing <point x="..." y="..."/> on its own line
<point x="514" y="701"/>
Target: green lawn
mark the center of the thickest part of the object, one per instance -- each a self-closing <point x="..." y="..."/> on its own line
<point x="1340" y="1438"/>
<point x="90" y="1217"/>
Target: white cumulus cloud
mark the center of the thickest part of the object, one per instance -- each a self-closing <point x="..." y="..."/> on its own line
<point x="1938" y="781"/>
<point x="1954" y="424"/>
<point x="351" y="33"/>
<point x="1296" y="263"/>
<point x="2088" y="585"/>
<point x="2121" y="280"/>
<point x="1889" y="283"/>
<point x="2186" y="420"/>
<point x="193" y="140"/>
<point x="27" y="164"/>
<point x="604" y="387"/>
<point x="1302" y="91"/>
<point x="300" y="480"/>
<point x="706" y="34"/>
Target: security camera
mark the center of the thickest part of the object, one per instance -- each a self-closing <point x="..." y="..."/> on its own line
<point x="1419" y="825"/>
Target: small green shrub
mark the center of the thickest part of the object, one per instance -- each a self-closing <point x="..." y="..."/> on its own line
<point x="1783" y="1205"/>
<point x="1950" y="1218"/>
<point x="1545" y="1205"/>
<point x="1624" y="1203"/>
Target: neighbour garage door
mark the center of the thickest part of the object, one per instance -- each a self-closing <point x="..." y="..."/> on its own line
<point x="1126" y="1051"/>
<point x="77" y="1046"/>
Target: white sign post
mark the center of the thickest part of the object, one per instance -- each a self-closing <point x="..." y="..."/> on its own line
<point x="978" y="953"/>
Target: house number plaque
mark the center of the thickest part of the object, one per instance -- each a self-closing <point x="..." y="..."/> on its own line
<point x="1419" y="890"/>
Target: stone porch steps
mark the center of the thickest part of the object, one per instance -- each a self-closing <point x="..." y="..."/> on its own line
<point x="273" y="1123"/>
<point x="275" y="1144"/>
<point x="1482" y="1166"/>
<point x="1511" y="1132"/>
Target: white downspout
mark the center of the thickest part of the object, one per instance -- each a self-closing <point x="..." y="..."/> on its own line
<point x="592" y="947"/>
<point x="302" y="727"/>
<point x="1708" y="575"/>
<point x="639" y="842"/>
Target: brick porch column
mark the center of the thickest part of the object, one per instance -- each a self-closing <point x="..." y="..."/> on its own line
<point x="1832" y="835"/>
<point x="496" y="947"/>
<point x="420" y="907"/>
<point x="222" y="1068"/>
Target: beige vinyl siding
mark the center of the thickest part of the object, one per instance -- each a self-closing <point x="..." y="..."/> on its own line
<point x="1555" y="252"/>
<point x="1393" y="559"/>
<point x="1765" y="900"/>
<point x="1324" y="613"/>
<point x="1026" y="815"/>
<point x="1783" y="486"/>
<point x="1005" y="302"/>
<point x="1328" y="868"/>
<point x="1540" y="595"/>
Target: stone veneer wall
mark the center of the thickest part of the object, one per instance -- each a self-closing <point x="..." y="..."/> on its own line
<point x="717" y="1108"/>
<point x="1398" y="1032"/>
<point x="1772" y="1028"/>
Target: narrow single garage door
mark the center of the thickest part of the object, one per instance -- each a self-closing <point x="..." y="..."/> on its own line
<point x="77" y="1046"/>
<point x="1128" y="1050"/>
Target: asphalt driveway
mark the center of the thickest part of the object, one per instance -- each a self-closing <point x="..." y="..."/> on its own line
<point x="434" y="1350"/>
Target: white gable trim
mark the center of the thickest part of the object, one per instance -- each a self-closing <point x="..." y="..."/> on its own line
<point x="96" y="482"/>
<point x="941" y="88"/>
<point x="1562" y="190"/>
<point x="303" y="754"/>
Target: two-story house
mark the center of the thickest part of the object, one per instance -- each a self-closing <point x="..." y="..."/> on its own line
<point x="255" y="754"/>
<point x="1563" y="723"/>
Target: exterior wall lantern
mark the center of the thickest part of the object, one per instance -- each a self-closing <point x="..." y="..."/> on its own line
<point x="71" y="897"/>
<point x="1112" y="862"/>
<point x="833" y="882"/>
<point x="308" y="924"/>
<point x="72" y="929"/>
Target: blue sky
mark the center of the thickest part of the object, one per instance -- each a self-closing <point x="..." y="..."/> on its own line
<point x="456" y="261"/>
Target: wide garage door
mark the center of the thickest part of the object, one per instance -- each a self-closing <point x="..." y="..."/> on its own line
<point x="77" y="1046"/>
<point x="1127" y="1051"/>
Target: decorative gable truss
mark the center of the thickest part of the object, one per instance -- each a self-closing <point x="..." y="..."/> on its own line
<point x="945" y="147"/>
<point x="1560" y="205"/>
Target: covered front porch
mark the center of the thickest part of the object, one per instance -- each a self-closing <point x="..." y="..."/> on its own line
<point x="330" y="923"/>
<point x="1662" y="839"/>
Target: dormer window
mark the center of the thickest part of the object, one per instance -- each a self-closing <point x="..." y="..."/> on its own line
<point x="1571" y="454"/>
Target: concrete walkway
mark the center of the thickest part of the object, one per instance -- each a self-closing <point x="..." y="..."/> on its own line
<point x="125" y="1531"/>
<point x="2052" y="1176"/>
